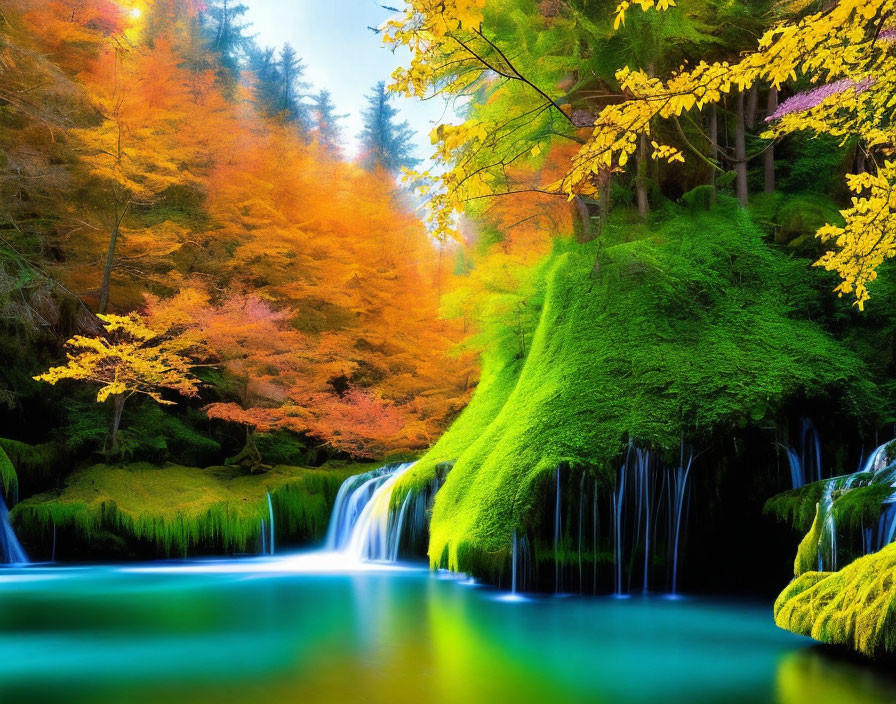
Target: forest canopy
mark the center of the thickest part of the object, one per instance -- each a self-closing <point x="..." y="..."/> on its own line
<point x="160" y="165"/>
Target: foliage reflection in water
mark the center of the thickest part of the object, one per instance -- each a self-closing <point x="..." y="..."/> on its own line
<point x="256" y="630"/>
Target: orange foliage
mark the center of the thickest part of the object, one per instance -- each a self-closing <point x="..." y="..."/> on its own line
<point x="309" y="282"/>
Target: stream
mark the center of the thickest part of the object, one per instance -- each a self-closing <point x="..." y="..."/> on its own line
<point x="348" y="623"/>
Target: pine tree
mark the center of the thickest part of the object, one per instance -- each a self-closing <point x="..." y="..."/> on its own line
<point x="222" y="25"/>
<point x="289" y="98"/>
<point x="263" y="65"/>
<point x="326" y="129"/>
<point x="385" y="144"/>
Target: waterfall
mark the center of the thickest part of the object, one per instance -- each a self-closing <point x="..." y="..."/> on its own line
<point x="594" y="519"/>
<point x="360" y="526"/>
<point x="271" y="523"/>
<point x="557" y="537"/>
<point x="649" y="497"/>
<point x="618" y="497"/>
<point x="397" y="528"/>
<point x="513" y="565"/>
<point x="874" y="470"/>
<point x="10" y="550"/>
<point x="581" y="515"/>
<point x="520" y="564"/>
<point x="805" y="465"/>
<point x="679" y="496"/>
<point x="797" y="474"/>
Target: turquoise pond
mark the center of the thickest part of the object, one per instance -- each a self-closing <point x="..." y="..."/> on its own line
<point x="296" y="630"/>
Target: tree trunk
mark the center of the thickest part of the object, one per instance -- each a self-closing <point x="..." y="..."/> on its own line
<point x="752" y="103"/>
<point x="249" y="457"/>
<point x="770" y="152"/>
<point x="860" y="159"/>
<point x="584" y="219"/>
<point x="110" y="256"/>
<point x="604" y="204"/>
<point x="107" y="270"/>
<point x="117" y="408"/>
<point x="601" y="223"/>
<point x="714" y="149"/>
<point x="740" y="153"/>
<point x="641" y="178"/>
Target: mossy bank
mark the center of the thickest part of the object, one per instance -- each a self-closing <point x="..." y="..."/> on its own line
<point x="143" y="510"/>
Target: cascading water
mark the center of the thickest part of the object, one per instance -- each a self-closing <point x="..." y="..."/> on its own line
<point x="805" y="465"/>
<point x="11" y="551"/>
<point x="649" y="496"/>
<point x="520" y="564"/>
<point x="271" y="523"/>
<point x="876" y="470"/>
<point x="361" y="526"/>
<point x="557" y="524"/>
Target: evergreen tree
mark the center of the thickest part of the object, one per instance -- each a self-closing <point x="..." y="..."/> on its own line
<point x="224" y="31"/>
<point x="289" y="97"/>
<point x="279" y="88"/>
<point x="326" y="129"/>
<point x="263" y="65"/>
<point x="385" y="144"/>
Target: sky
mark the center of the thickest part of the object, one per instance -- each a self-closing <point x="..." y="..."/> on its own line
<point x="343" y="56"/>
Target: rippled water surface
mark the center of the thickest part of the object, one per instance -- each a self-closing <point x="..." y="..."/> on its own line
<point x="296" y="630"/>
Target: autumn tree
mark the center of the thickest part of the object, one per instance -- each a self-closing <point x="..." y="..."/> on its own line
<point x="846" y="44"/>
<point x="307" y="281"/>
<point x="129" y="359"/>
<point x="136" y="150"/>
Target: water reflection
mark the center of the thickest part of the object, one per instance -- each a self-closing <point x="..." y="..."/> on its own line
<point x="820" y="675"/>
<point x="258" y="631"/>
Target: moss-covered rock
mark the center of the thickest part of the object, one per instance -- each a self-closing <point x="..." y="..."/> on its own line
<point x="688" y="326"/>
<point x="33" y="467"/>
<point x="855" y="607"/>
<point x="176" y="510"/>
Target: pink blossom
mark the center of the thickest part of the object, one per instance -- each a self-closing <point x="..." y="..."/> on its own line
<point x="809" y="99"/>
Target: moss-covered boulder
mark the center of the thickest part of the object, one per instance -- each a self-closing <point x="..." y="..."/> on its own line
<point x="855" y="607"/>
<point x="29" y="466"/>
<point x="175" y="510"/>
<point x="691" y="325"/>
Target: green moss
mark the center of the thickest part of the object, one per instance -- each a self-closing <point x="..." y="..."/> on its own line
<point x="687" y="327"/>
<point x="281" y="447"/>
<point x="855" y="607"/>
<point x="807" y="552"/>
<point x="9" y="480"/>
<point x="36" y="465"/>
<point x="794" y="218"/>
<point x="178" y="510"/>
<point x="797" y="507"/>
<point x="856" y="502"/>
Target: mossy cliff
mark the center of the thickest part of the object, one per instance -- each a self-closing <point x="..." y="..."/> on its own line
<point x="143" y="510"/>
<point x="694" y="325"/>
